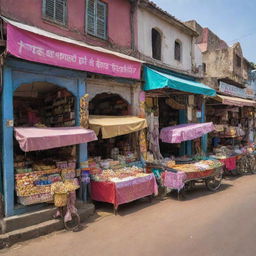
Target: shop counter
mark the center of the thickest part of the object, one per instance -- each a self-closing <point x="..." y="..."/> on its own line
<point x="123" y="192"/>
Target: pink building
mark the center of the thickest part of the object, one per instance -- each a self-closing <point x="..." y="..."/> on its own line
<point x="104" y="23"/>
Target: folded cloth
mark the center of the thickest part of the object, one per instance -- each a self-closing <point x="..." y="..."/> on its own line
<point x="230" y="163"/>
<point x="174" y="180"/>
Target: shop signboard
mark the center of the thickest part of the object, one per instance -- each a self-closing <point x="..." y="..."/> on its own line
<point x="231" y="90"/>
<point x="34" y="47"/>
<point x="236" y="91"/>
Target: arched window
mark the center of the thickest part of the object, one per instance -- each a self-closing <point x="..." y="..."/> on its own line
<point x="177" y="50"/>
<point x="156" y="44"/>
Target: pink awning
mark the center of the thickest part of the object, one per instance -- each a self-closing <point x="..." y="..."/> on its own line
<point x="32" y="138"/>
<point x="184" y="132"/>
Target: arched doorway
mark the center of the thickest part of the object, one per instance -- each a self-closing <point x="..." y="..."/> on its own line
<point x="108" y="104"/>
<point x="45" y="104"/>
<point x="17" y="74"/>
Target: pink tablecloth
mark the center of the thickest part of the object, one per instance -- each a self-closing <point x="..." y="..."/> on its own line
<point x="124" y="192"/>
<point x="174" y="180"/>
<point x="184" y="132"/>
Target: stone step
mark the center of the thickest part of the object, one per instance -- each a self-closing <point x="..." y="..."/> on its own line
<point x="20" y="235"/>
<point x="27" y="219"/>
<point x="39" y="229"/>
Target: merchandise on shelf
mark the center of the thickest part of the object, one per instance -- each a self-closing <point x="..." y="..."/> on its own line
<point x="33" y="184"/>
<point x="119" y="175"/>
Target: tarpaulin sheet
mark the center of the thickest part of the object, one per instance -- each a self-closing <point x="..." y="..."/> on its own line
<point x="157" y="80"/>
<point x="124" y="192"/>
<point x="32" y="138"/>
<point x="184" y="132"/>
<point x="234" y="101"/>
<point x="112" y="126"/>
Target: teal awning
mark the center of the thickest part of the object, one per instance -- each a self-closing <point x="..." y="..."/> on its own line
<point x="157" y="80"/>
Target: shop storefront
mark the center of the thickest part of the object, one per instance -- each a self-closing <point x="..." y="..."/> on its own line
<point x="116" y="158"/>
<point x="234" y="137"/>
<point x="177" y="129"/>
<point x="45" y="111"/>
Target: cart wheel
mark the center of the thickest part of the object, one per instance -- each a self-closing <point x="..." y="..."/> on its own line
<point x="74" y="224"/>
<point x="189" y="185"/>
<point x="181" y="194"/>
<point x="253" y="168"/>
<point x="214" y="183"/>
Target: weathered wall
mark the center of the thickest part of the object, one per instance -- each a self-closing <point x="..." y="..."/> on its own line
<point x="129" y="92"/>
<point x="147" y="21"/>
<point x="207" y="40"/>
<point x="222" y="64"/>
<point x="30" y="12"/>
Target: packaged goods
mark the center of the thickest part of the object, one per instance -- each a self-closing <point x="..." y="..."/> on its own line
<point x="118" y="175"/>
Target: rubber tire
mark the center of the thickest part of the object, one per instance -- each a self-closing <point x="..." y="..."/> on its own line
<point x="213" y="189"/>
<point x="75" y="225"/>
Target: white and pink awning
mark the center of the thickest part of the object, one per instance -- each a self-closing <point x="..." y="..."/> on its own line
<point x="33" y="139"/>
<point x="185" y="132"/>
<point x="35" y="44"/>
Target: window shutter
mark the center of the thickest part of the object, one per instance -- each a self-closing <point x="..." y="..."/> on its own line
<point x="101" y="19"/>
<point x="55" y="10"/>
<point x="60" y="11"/>
<point x="49" y="8"/>
<point x="91" y="17"/>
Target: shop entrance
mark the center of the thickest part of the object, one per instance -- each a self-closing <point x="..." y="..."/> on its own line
<point x="168" y="116"/>
<point x="108" y="104"/>
<point x="18" y="76"/>
<point x="127" y="146"/>
<point x="41" y="105"/>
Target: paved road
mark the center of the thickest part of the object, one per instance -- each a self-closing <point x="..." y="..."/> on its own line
<point x="206" y="224"/>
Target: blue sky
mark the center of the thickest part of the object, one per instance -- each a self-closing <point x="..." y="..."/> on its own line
<point x="231" y="20"/>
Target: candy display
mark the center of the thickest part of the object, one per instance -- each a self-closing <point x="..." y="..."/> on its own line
<point x="123" y="174"/>
<point x="35" y="199"/>
<point x="33" y="184"/>
<point x="198" y="166"/>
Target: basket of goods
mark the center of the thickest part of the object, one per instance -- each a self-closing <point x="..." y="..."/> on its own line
<point x="60" y="200"/>
<point x="60" y="191"/>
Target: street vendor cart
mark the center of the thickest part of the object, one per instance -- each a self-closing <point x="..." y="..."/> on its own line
<point x="184" y="175"/>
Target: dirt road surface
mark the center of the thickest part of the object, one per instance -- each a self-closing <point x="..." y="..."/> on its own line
<point x="205" y="224"/>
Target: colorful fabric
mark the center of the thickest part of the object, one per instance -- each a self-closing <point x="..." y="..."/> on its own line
<point x="33" y="139"/>
<point x="153" y="135"/>
<point x="230" y="163"/>
<point x="185" y="132"/>
<point x="157" y="80"/>
<point x="112" y="126"/>
<point x="174" y="180"/>
<point x="124" y="192"/>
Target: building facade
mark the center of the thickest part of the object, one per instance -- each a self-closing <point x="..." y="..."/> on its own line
<point x="164" y="40"/>
<point x="77" y="46"/>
